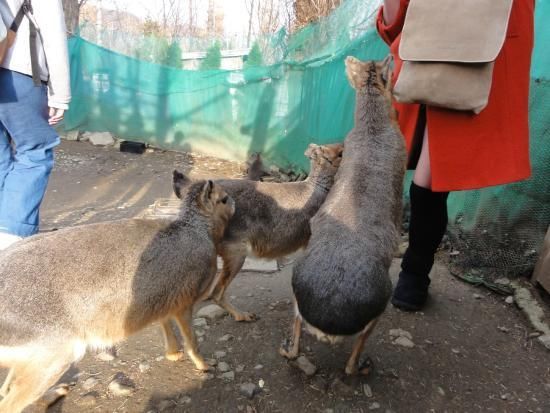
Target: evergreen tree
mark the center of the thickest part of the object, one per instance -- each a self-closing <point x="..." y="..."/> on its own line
<point x="255" y="57"/>
<point x="173" y="56"/>
<point x="213" y="58"/>
<point x="160" y="54"/>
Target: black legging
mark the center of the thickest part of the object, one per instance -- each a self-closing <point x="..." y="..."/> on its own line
<point x="428" y="222"/>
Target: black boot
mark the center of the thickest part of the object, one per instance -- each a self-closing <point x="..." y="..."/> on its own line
<point x="427" y="226"/>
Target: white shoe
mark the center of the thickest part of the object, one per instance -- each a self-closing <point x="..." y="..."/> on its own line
<point x="7" y="239"/>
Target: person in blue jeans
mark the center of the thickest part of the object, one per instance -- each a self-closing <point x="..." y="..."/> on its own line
<point x="28" y="111"/>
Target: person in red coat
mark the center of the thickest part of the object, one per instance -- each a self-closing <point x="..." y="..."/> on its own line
<point x="453" y="150"/>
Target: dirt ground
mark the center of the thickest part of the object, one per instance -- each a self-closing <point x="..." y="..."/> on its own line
<point x="472" y="351"/>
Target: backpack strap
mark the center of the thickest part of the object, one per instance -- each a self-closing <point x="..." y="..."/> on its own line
<point x="34" y="35"/>
<point x="18" y="18"/>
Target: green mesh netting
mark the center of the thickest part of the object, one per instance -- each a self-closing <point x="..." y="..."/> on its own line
<point x="299" y="96"/>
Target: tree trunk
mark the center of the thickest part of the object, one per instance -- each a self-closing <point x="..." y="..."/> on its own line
<point x="72" y="14"/>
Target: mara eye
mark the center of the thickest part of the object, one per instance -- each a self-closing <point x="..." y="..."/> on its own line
<point x="224" y="199"/>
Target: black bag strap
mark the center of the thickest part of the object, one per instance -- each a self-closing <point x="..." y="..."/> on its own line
<point x="18" y="18"/>
<point x="26" y="10"/>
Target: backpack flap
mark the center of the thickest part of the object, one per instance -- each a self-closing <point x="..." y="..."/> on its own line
<point x="465" y="31"/>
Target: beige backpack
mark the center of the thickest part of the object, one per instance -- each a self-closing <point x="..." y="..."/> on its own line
<point x="448" y="48"/>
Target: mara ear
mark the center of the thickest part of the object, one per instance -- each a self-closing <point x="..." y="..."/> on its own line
<point x="206" y="192"/>
<point x="179" y="181"/>
<point x="386" y="70"/>
<point x="355" y="72"/>
<point x="311" y="151"/>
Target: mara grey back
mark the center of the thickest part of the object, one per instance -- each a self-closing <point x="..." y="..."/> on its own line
<point x="342" y="281"/>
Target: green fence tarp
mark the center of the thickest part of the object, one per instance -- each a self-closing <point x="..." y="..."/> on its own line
<point x="304" y="97"/>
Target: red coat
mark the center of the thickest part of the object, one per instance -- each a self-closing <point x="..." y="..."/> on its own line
<point x="470" y="151"/>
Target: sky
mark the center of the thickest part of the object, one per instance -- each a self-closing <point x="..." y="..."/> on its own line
<point x="235" y="14"/>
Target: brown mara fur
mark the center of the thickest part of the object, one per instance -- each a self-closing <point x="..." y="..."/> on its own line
<point x="271" y="219"/>
<point x="94" y="285"/>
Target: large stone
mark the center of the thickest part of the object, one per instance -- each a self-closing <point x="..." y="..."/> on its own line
<point x="102" y="138"/>
<point x="211" y="311"/>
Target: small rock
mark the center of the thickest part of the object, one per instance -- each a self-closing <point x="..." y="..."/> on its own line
<point x="502" y="281"/>
<point x="367" y="390"/>
<point x="258" y="367"/>
<point x="200" y="322"/>
<point x="226" y="337"/>
<point x="374" y="406"/>
<point x="102" y="138"/>
<point x="143" y="367"/>
<point x="261" y="383"/>
<point x="121" y="385"/>
<point x="440" y="390"/>
<point x="211" y="362"/>
<point x="229" y="376"/>
<point x="88" y="399"/>
<point x="509" y="299"/>
<point x="107" y="355"/>
<point x="545" y="340"/>
<point x="305" y="365"/>
<point x="455" y="351"/>
<point x="239" y="368"/>
<point x="223" y="367"/>
<point x="338" y="387"/>
<point x="149" y="150"/>
<point x="184" y="399"/>
<point x="478" y="296"/>
<point x="220" y="354"/>
<point x="506" y="396"/>
<point x="165" y="405"/>
<point x="159" y="358"/>
<point x="89" y="383"/>
<point x="200" y="333"/>
<point x="249" y="390"/>
<point x="503" y="329"/>
<point x="403" y="342"/>
<point x="211" y="311"/>
<point x="71" y="135"/>
<point x="397" y="332"/>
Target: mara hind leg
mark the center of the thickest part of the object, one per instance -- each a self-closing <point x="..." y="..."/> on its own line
<point x="291" y="347"/>
<point x="183" y="320"/>
<point x="33" y="377"/>
<point x="171" y="343"/>
<point x="351" y="365"/>
<point x="232" y="264"/>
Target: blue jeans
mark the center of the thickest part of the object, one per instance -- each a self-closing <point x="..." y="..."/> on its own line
<point x="26" y="152"/>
